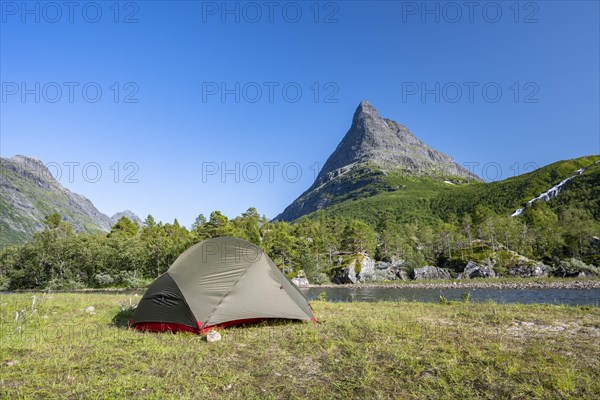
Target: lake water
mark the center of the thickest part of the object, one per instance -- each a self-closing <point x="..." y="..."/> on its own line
<point x="527" y="296"/>
<point x="572" y="297"/>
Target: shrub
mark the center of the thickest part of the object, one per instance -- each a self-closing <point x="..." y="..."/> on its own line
<point x="4" y="282"/>
<point x="131" y="280"/>
<point x="357" y="267"/>
<point x="64" y="284"/>
<point x="504" y="261"/>
<point x="574" y="265"/>
<point x="104" y="280"/>
<point x="319" y="279"/>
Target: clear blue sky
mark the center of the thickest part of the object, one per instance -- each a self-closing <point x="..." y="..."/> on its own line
<point x="175" y="57"/>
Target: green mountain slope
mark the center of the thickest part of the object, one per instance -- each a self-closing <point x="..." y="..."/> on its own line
<point x="423" y="199"/>
<point x="407" y="198"/>
<point x="508" y="195"/>
<point x="29" y="193"/>
<point x="583" y="191"/>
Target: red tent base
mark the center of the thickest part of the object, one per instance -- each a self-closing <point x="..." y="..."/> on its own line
<point x="199" y="329"/>
<point x="233" y="323"/>
<point x="163" y="327"/>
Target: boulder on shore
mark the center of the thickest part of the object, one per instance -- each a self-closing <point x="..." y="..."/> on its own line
<point x="300" y="279"/>
<point x="344" y="275"/>
<point x="474" y="270"/>
<point x="429" y="272"/>
<point x="529" y="271"/>
<point x="402" y="274"/>
<point x="575" y="268"/>
<point x="390" y="271"/>
<point x="358" y="269"/>
<point x="367" y="269"/>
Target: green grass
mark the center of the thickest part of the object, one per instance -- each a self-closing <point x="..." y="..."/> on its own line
<point x="359" y="350"/>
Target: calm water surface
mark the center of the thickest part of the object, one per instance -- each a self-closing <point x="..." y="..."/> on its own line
<point x="573" y="297"/>
<point x="527" y="296"/>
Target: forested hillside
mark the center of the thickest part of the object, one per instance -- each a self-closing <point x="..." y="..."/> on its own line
<point x="558" y="233"/>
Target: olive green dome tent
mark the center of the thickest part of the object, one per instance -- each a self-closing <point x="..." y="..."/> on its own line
<point x="219" y="282"/>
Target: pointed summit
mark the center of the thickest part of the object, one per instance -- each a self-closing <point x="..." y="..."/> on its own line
<point x="365" y="107"/>
<point x="366" y="116"/>
<point x="373" y="147"/>
<point x="389" y="145"/>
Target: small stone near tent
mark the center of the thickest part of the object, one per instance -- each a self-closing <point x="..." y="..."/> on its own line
<point x="217" y="283"/>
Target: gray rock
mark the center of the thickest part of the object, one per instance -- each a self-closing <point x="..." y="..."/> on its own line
<point x="367" y="269"/>
<point x="529" y="271"/>
<point x="574" y="268"/>
<point x="395" y="263"/>
<point x="347" y="274"/>
<point x="474" y="270"/>
<point x="344" y="275"/>
<point x="300" y="279"/>
<point x="383" y="265"/>
<point x="384" y="275"/>
<point x="569" y="274"/>
<point x="402" y="274"/>
<point x="389" y="271"/>
<point x="429" y="272"/>
<point x="213" y="336"/>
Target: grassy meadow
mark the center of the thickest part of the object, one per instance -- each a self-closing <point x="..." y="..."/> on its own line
<point x="58" y="347"/>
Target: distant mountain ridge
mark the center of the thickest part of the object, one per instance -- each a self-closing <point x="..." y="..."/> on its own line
<point x="29" y="192"/>
<point x="372" y="148"/>
<point x="128" y="214"/>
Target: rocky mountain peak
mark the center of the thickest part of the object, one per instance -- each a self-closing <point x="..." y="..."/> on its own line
<point x="388" y="145"/>
<point x="373" y="146"/>
<point x="367" y="126"/>
<point x="31" y="164"/>
<point x="29" y="192"/>
<point x="29" y="168"/>
<point x="127" y="213"/>
<point x="26" y="160"/>
<point x="365" y="109"/>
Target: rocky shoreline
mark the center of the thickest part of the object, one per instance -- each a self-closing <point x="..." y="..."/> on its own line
<point x="577" y="284"/>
